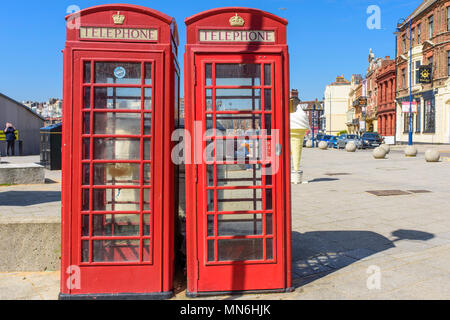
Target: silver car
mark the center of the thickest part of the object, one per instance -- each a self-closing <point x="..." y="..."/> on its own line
<point x="343" y="139"/>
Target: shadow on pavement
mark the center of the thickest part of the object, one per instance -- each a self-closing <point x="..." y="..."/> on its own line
<point x="323" y="180"/>
<point x="317" y="254"/>
<point x="28" y="198"/>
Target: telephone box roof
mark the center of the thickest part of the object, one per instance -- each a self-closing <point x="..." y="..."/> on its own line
<point x="216" y="11"/>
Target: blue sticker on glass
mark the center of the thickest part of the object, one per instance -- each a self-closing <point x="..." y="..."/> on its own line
<point x="120" y="72"/>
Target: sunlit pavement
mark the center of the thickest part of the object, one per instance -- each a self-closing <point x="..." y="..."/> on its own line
<point x="347" y="243"/>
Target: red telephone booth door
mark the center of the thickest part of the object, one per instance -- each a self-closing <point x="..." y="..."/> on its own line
<point x="117" y="225"/>
<point x="240" y="219"/>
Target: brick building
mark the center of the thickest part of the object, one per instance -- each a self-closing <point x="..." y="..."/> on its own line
<point x="430" y="40"/>
<point x="386" y="99"/>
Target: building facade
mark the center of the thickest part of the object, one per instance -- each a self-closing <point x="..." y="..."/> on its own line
<point x="335" y="105"/>
<point x="386" y="100"/>
<point x="26" y="122"/>
<point x="429" y="37"/>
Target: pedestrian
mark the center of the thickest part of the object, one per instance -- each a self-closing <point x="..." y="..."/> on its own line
<point x="10" y="135"/>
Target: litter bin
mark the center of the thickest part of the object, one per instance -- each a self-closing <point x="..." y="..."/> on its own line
<point x="51" y="137"/>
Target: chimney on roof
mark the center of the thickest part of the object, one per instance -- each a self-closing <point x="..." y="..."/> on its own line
<point x="294" y="93"/>
<point x="387" y="58"/>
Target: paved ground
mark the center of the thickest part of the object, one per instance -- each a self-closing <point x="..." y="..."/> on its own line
<point x="348" y="244"/>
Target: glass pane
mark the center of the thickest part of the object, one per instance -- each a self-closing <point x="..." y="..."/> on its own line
<point x="238" y="149"/>
<point x="117" y="200"/>
<point x="86" y="175"/>
<point x="148" y="73"/>
<point x="87" y="72"/>
<point x="241" y="249"/>
<point x="238" y="99"/>
<point x="210" y="200"/>
<point x="147" y="173"/>
<point x="267" y="74"/>
<point x="239" y="200"/>
<point x="85" y="200"/>
<point x="240" y="225"/>
<point x="117" y="98"/>
<point x="87" y="98"/>
<point x="117" y="123"/>
<point x="116" y="251"/>
<point x="211" y="226"/>
<point x="118" y="72"/>
<point x="85" y="226"/>
<point x="147" y="225"/>
<point x="85" y="251"/>
<point x="269" y="248"/>
<point x="86" y="149"/>
<point x="211" y="251"/>
<point x="269" y="224"/>
<point x="117" y="149"/>
<point x="113" y="174"/>
<point x="209" y="100"/>
<point x="268" y="99"/>
<point x="208" y="74"/>
<point x="118" y="225"/>
<point x="210" y="176"/>
<point x="238" y="75"/>
<point x="238" y="125"/>
<point x="146" y="257"/>
<point x="268" y="124"/>
<point x="147" y="124"/>
<point x="147" y="149"/>
<point x="236" y="175"/>
<point x="148" y="99"/>
<point x="269" y="199"/>
<point x="147" y="199"/>
<point x="86" y="123"/>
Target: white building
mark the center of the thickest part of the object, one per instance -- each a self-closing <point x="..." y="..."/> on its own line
<point x="336" y="105"/>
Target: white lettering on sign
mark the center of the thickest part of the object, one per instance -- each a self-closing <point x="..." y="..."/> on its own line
<point x="237" y="36"/>
<point x="118" y="34"/>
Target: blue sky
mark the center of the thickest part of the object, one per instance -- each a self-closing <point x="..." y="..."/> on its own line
<point x="326" y="38"/>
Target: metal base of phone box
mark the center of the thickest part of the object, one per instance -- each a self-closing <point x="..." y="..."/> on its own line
<point x="232" y="293"/>
<point x="120" y="296"/>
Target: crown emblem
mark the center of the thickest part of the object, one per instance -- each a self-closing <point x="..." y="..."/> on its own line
<point x="118" y="18"/>
<point x="237" y="21"/>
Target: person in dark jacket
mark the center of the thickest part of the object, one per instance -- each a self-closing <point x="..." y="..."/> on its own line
<point x="10" y="138"/>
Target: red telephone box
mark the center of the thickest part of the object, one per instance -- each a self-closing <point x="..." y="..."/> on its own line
<point x="121" y="96"/>
<point x="238" y="194"/>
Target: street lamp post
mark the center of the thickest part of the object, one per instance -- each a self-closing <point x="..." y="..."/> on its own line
<point x="313" y="121"/>
<point x="410" y="134"/>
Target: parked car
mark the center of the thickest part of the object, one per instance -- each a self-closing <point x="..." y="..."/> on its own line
<point x="371" y="140"/>
<point x="332" y="143"/>
<point x="343" y="139"/>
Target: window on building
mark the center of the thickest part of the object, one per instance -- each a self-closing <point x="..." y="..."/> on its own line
<point x="429" y="116"/>
<point x="418" y="115"/>
<point x="406" y="120"/>
<point x="430" y="27"/>
<point x="417" y="66"/>
<point x="418" y="34"/>
<point x="404" y="43"/>
<point x="448" y="63"/>
<point x="413" y="36"/>
<point x="404" y="78"/>
<point x="448" y="18"/>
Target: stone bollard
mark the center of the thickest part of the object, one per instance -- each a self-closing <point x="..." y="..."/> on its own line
<point x="323" y="145"/>
<point x="379" y="153"/>
<point x="309" y="144"/>
<point x="432" y="155"/>
<point x="386" y="147"/>
<point x="411" y="151"/>
<point x="350" y="147"/>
